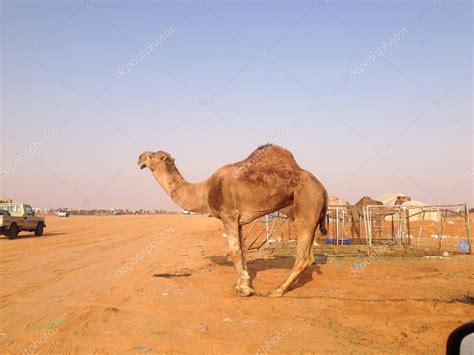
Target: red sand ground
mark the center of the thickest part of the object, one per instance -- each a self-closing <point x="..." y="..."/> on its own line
<point x="60" y="293"/>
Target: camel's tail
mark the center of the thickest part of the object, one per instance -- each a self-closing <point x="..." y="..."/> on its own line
<point x="322" y="216"/>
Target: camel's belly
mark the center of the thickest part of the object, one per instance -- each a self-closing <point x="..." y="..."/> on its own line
<point x="258" y="202"/>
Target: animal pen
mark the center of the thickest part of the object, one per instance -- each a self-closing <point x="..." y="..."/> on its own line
<point x="395" y="230"/>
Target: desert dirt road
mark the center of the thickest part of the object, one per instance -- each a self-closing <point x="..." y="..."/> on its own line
<point x="88" y="286"/>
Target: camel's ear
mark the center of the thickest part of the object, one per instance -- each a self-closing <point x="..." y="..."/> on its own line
<point x="165" y="156"/>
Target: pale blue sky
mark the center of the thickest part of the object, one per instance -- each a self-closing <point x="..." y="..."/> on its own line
<point x="232" y="76"/>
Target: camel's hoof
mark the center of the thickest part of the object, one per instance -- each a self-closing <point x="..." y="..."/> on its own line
<point x="276" y="293"/>
<point x="244" y="291"/>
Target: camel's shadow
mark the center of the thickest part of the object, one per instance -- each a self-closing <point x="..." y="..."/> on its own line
<point x="279" y="262"/>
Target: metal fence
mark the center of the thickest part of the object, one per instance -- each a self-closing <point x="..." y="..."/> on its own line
<point x="401" y="230"/>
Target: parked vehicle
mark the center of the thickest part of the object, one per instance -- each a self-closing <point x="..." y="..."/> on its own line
<point x="19" y="217"/>
<point x="62" y="213"/>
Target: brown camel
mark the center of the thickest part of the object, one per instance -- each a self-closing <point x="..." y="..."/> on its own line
<point x="268" y="180"/>
<point x="366" y="201"/>
<point x="358" y="212"/>
<point x="401" y="200"/>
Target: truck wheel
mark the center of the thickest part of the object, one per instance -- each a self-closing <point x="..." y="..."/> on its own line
<point x="39" y="229"/>
<point x="13" y="232"/>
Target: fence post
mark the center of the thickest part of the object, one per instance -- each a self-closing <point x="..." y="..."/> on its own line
<point x="468" y="228"/>
<point x="439" y="231"/>
<point x="365" y="214"/>
<point x="337" y="230"/>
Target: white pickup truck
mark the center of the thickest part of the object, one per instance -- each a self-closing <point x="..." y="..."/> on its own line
<point x="19" y="217"/>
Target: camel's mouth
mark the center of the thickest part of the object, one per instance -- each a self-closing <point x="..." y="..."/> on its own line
<point x="143" y="166"/>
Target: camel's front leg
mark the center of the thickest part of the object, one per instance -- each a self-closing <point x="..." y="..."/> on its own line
<point x="234" y="234"/>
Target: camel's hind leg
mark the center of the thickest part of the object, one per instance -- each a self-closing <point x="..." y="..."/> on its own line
<point x="303" y="259"/>
<point x="306" y="218"/>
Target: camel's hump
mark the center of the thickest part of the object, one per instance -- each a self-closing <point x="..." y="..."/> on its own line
<point x="270" y="152"/>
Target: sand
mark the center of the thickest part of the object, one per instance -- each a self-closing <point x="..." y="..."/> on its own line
<point x="87" y="286"/>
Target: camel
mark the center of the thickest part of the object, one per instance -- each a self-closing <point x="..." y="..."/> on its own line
<point x="401" y="200"/>
<point x="358" y="212"/>
<point x="391" y="199"/>
<point x="268" y="180"/>
<point x="367" y="201"/>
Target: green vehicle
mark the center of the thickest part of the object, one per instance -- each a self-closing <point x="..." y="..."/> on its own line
<point x="19" y="217"/>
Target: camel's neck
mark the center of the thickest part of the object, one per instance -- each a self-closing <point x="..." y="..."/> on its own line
<point x="189" y="196"/>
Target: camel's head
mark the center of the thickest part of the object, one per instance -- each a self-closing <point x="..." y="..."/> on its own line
<point x="402" y="199"/>
<point x="154" y="160"/>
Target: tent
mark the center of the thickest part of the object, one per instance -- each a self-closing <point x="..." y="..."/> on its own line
<point x="336" y="201"/>
<point x="390" y="198"/>
<point x="417" y="213"/>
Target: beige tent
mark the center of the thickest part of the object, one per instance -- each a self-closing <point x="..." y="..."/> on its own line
<point x="390" y="198"/>
<point x="416" y="214"/>
<point x="336" y="201"/>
